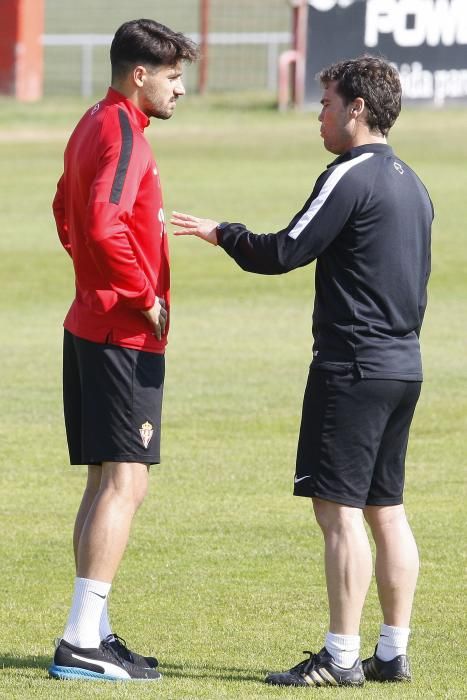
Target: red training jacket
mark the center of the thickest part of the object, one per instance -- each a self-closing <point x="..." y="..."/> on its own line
<point x="109" y="215"/>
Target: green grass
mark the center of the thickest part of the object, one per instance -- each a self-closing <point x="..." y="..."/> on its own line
<point x="223" y="577"/>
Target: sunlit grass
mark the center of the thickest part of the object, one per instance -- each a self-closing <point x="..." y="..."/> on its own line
<point x="223" y="578"/>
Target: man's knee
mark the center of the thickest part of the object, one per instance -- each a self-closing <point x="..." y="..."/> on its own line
<point x="381" y="517"/>
<point x="125" y="480"/>
<point x="335" y="516"/>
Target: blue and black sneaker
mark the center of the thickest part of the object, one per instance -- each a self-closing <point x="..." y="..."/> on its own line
<point x="398" y="669"/>
<point x="103" y="663"/>
<point x="319" y="670"/>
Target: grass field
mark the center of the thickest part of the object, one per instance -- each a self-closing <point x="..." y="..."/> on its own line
<point x="223" y="577"/>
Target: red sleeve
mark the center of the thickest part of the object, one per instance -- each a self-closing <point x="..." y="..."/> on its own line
<point x="121" y="167"/>
<point x="58" y="208"/>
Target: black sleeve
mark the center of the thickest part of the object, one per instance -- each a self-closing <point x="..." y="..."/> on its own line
<point x="307" y="235"/>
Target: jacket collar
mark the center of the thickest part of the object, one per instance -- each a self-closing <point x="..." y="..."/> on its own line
<point x="135" y="114"/>
<point x="381" y="148"/>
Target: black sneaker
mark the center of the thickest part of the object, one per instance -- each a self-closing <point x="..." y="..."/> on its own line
<point x="75" y="663"/>
<point x="319" y="669"/>
<point x="119" y="645"/>
<point x="398" y="669"/>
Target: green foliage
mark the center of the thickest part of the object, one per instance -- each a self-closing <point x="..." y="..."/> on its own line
<point x="223" y="578"/>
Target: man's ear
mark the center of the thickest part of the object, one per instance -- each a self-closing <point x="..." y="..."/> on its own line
<point x="357" y="106"/>
<point x="139" y="74"/>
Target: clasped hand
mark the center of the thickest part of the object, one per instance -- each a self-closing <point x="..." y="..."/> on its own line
<point x="157" y="317"/>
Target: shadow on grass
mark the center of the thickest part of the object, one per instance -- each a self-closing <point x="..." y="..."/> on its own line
<point x="9" y="661"/>
<point x="225" y="673"/>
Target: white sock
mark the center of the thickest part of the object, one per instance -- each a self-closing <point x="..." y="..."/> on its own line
<point x="82" y="628"/>
<point x="392" y="642"/>
<point x="344" y="648"/>
<point x="104" y="627"/>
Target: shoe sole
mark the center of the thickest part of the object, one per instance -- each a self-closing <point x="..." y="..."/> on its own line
<point x="396" y="679"/>
<point x="73" y="673"/>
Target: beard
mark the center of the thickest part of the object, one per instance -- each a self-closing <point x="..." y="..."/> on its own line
<point x="160" y="110"/>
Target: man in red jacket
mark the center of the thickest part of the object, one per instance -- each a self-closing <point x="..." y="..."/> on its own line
<point x="110" y="219"/>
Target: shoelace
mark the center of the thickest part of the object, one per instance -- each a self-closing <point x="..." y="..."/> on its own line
<point x="305" y="666"/>
<point x="121" y="645"/>
<point x="107" y="645"/>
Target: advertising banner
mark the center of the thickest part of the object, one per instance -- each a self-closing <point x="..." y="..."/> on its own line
<point x="425" y="39"/>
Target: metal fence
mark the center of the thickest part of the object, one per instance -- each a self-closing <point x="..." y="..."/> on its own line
<point x="245" y="40"/>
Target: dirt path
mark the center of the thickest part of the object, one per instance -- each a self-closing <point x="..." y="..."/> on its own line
<point x="33" y="135"/>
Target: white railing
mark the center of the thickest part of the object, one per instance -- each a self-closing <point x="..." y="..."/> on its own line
<point x="271" y="40"/>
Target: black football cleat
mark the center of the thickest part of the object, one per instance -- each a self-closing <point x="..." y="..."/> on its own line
<point x="119" y="645"/>
<point x="319" y="670"/>
<point x="101" y="664"/>
<point x="398" y="669"/>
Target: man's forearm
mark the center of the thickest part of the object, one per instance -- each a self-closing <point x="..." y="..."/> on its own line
<point x="252" y="252"/>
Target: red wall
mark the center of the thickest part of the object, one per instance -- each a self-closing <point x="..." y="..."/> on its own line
<point x="21" y="52"/>
<point x="8" y="34"/>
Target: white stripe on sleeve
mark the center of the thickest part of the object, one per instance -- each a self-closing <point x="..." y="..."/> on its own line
<point x="326" y="190"/>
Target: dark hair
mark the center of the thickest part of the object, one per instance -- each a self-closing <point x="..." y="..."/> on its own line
<point x="147" y="42"/>
<point x="372" y="79"/>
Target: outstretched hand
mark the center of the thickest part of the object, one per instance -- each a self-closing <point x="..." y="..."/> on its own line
<point x="194" y="226"/>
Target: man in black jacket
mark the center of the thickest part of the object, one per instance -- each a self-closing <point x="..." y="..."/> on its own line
<point x="367" y="223"/>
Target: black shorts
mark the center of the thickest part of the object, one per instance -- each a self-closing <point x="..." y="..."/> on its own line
<point x="112" y="398"/>
<point x="353" y="438"/>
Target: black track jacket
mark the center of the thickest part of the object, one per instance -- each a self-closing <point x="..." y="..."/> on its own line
<point x="367" y="223"/>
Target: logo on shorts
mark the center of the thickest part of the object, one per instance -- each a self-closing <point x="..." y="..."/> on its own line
<point x="297" y="479"/>
<point x="146" y="433"/>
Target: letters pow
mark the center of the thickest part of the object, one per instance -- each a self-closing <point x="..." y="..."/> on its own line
<point x="417" y="22"/>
